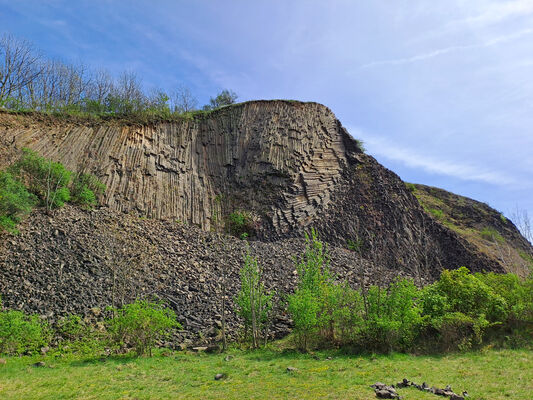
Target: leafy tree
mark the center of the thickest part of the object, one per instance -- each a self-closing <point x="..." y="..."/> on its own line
<point x="253" y="302"/>
<point x="308" y="305"/>
<point x="224" y="98"/>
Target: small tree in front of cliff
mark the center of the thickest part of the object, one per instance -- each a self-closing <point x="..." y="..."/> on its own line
<point x="253" y="302"/>
<point x="309" y="305"/>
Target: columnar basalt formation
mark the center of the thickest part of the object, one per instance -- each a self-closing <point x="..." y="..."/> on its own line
<point x="280" y="160"/>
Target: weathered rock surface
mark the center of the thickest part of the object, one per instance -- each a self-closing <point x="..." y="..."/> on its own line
<point x="278" y="159"/>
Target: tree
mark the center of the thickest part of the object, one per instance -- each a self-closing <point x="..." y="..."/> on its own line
<point x="224" y="98"/>
<point x="140" y="325"/>
<point x="183" y="101"/>
<point x="253" y="302"/>
<point x="19" y="66"/>
<point x="523" y="223"/>
<point x="308" y="305"/>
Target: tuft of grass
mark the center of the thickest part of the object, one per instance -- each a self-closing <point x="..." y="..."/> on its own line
<point x="410" y="186"/>
<point x="492" y="235"/>
<point x="438" y="214"/>
<point x="262" y="374"/>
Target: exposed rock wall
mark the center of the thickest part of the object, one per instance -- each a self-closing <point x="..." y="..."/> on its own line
<point x="278" y="159"/>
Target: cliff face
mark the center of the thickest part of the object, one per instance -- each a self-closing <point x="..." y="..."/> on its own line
<point x="292" y="165"/>
<point x="278" y="159"/>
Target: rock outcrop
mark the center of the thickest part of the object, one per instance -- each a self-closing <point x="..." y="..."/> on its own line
<point x="279" y="159"/>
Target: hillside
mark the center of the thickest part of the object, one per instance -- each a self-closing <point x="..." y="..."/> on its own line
<point x="289" y="166"/>
<point x="486" y="228"/>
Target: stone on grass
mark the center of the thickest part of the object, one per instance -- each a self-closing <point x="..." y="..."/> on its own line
<point x="220" y="376"/>
<point x="39" y="364"/>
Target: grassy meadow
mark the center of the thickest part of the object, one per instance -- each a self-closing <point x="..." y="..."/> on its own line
<point x="489" y="375"/>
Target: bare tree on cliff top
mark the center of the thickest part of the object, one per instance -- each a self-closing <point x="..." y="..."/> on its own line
<point x="19" y="65"/>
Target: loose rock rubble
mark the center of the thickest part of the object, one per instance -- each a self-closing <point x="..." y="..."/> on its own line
<point x="384" y="391"/>
<point x="71" y="272"/>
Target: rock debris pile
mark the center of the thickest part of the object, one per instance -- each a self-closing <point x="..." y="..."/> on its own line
<point x="384" y="391"/>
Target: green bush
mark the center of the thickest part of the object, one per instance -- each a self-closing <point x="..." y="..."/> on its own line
<point x="20" y="333"/>
<point x="438" y="214"/>
<point x="304" y="308"/>
<point x="392" y="317"/>
<point x="78" y="337"/>
<point x="240" y="224"/>
<point x="457" y="331"/>
<point x="85" y="189"/>
<point x="139" y="325"/>
<point x="411" y="187"/>
<point x="469" y="295"/>
<point x="15" y="201"/>
<point x="48" y="180"/>
<point x="253" y="302"/>
<point x="308" y="305"/>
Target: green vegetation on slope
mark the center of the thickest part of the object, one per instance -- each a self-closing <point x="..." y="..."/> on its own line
<point x="485" y="228"/>
<point x="36" y="180"/>
<point x="262" y="374"/>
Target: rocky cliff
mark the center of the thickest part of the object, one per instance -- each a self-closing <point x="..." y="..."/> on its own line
<point x="279" y="159"/>
<point x="290" y="165"/>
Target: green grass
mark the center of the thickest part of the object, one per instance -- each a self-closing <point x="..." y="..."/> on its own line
<point x="490" y="374"/>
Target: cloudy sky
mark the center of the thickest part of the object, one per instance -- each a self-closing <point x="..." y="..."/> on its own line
<point x="440" y="91"/>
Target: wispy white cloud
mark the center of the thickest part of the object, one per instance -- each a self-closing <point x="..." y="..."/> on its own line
<point x="451" y="49"/>
<point x="497" y="12"/>
<point x="412" y="158"/>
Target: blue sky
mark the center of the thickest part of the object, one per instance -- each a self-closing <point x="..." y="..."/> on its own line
<point x="440" y="91"/>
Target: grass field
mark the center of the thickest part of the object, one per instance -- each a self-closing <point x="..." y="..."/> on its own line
<point x="489" y="375"/>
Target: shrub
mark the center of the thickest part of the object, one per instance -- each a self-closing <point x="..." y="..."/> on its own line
<point x="392" y="317"/>
<point x="140" y="324"/>
<point x="46" y="179"/>
<point x="411" y="187"/>
<point x="459" y="331"/>
<point x="77" y="336"/>
<point x="308" y="305"/>
<point x="240" y="224"/>
<point x="438" y="214"/>
<point x="346" y="306"/>
<point x="15" y="201"/>
<point x="469" y="295"/>
<point x="21" y="333"/>
<point x="355" y="245"/>
<point x="304" y="308"/>
<point x="253" y="303"/>
<point x="517" y="293"/>
<point x="85" y="189"/>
